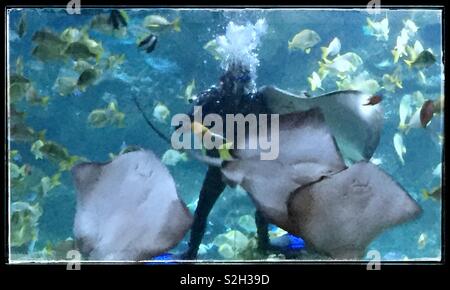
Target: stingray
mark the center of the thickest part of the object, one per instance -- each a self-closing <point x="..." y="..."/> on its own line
<point x="356" y="126"/>
<point x="310" y="192"/>
<point x="127" y="209"/>
<point x="307" y="152"/>
<point x="341" y="214"/>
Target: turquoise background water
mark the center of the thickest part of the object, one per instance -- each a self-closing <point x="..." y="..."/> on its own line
<point x="179" y="57"/>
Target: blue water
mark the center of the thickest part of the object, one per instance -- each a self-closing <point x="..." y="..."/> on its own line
<point x="178" y="58"/>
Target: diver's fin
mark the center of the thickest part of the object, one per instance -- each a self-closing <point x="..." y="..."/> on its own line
<point x="341" y="214"/>
<point x="128" y="209"/>
<point x="357" y="128"/>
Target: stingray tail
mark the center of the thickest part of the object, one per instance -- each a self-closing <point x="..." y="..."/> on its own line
<point x="147" y="120"/>
<point x="211" y="161"/>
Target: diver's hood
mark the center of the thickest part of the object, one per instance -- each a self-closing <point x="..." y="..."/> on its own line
<point x="356" y="127"/>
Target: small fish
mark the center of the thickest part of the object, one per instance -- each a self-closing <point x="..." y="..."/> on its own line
<point x="410" y="26"/>
<point x="378" y="29"/>
<point x="422" y="241"/>
<point x="414" y="121"/>
<point x="435" y="193"/>
<point x="71" y="34"/>
<point x="102" y="23"/>
<point x="110" y="115"/>
<point x="22" y="26"/>
<point x="161" y="112"/>
<point x="188" y="92"/>
<point x="36" y="149"/>
<point x="22" y="133"/>
<point x="201" y="132"/>
<point x="24" y="222"/>
<point x="304" y="40"/>
<point x="340" y="65"/>
<point x="45" y="52"/>
<point x="49" y="38"/>
<point x="158" y="23"/>
<point x="418" y="98"/>
<point x="424" y="60"/>
<point x="19" y="173"/>
<point x="333" y="48"/>
<point x="373" y="100"/>
<point x="87" y="78"/>
<point x="315" y="81"/>
<point x="18" y="87"/>
<point x="414" y="51"/>
<point x="65" y="85"/>
<point x="384" y="64"/>
<point x="400" y="47"/>
<point x="47" y="184"/>
<point x="426" y="113"/>
<point x="18" y="78"/>
<point x="118" y="19"/>
<point x="78" y="50"/>
<point x="148" y="43"/>
<point x="393" y="81"/>
<point x="362" y="82"/>
<point x="400" y="148"/>
<point x="114" y="23"/>
<point x="98" y="118"/>
<point x="404" y="111"/>
<point x="54" y="151"/>
<point x="114" y="61"/>
<point x="212" y="47"/>
<point x="172" y="157"/>
<point x="224" y="151"/>
<point x="58" y="154"/>
<point x="15" y="116"/>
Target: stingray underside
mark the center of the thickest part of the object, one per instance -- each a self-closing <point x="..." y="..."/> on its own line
<point x="356" y="126"/>
<point x="127" y="209"/>
<point x="341" y="214"/>
<point x="307" y="152"/>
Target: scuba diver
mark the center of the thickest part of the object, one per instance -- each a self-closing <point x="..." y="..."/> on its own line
<point x="233" y="95"/>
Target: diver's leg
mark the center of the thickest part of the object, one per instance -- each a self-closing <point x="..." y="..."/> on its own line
<point x="212" y="187"/>
<point x="262" y="229"/>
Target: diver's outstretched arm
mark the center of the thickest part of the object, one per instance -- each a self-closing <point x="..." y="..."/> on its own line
<point x="212" y="187"/>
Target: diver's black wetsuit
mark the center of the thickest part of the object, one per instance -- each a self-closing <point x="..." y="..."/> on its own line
<point x="229" y="98"/>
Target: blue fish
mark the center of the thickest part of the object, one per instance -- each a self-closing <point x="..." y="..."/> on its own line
<point x="296" y="243"/>
<point x="162" y="257"/>
<point x="288" y="242"/>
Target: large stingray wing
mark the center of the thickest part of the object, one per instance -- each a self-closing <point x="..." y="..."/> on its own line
<point x="128" y="209"/>
<point x="307" y="152"/>
<point x="356" y="126"/>
<point x="341" y="214"/>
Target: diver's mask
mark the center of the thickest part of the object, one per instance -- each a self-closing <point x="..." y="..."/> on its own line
<point x="236" y="80"/>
